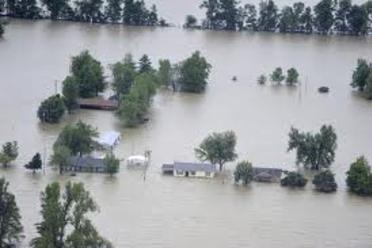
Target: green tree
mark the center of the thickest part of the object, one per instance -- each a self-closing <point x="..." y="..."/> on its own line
<point x="368" y="89"/>
<point x="228" y="13"/>
<point x="9" y="153"/>
<point x="70" y="92"/>
<point x="359" y="177"/>
<point x="89" y="10"/>
<point x="262" y="79"/>
<point x="360" y="75"/>
<point x="268" y="16"/>
<point x="323" y="19"/>
<point x="145" y="64"/>
<point x="88" y="73"/>
<point x="287" y="20"/>
<point x="307" y="21"/>
<point x="251" y="21"/>
<point x="51" y="109"/>
<point x="78" y="138"/>
<point x="35" y="163"/>
<point x="194" y="73"/>
<point x="191" y="21"/>
<point x="277" y="75"/>
<point x="325" y="182"/>
<point x="243" y="172"/>
<point x="341" y="15"/>
<point x="293" y="179"/>
<point x="113" y="10"/>
<point x="292" y="76"/>
<point x="314" y="151"/>
<point x="212" y="11"/>
<point x="358" y="20"/>
<point x="27" y="9"/>
<point x="123" y="77"/>
<point x="2" y="30"/>
<point x="57" y="8"/>
<point x="298" y="12"/>
<point x="10" y="219"/>
<point x="112" y="164"/>
<point x="164" y="73"/>
<point x="218" y="148"/>
<point x="60" y="157"/>
<point x="64" y="219"/>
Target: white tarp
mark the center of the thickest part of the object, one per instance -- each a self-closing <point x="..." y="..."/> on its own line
<point x="109" y="139"/>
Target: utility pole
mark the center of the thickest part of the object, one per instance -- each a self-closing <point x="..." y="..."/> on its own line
<point x="56" y="86"/>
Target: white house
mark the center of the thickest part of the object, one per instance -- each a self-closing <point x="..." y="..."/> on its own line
<point x="185" y="169"/>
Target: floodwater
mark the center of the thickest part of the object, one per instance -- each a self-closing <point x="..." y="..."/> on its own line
<point x="171" y="212"/>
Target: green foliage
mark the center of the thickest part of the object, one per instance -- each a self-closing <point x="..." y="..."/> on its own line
<point x="194" y="73"/>
<point x="51" y="109"/>
<point x="145" y="65"/>
<point x="60" y="157"/>
<point x="191" y="21"/>
<point x="123" y="76"/>
<point x="323" y="19"/>
<point x="268" y="18"/>
<point x="2" y="30"/>
<point x="358" y="20"/>
<point x="70" y="92"/>
<point x="112" y="164"/>
<point x="35" y="163"/>
<point x="9" y="153"/>
<point x="134" y="106"/>
<point x="59" y="9"/>
<point x="360" y="75"/>
<point x="165" y="72"/>
<point x="10" y="218"/>
<point x="287" y="20"/>
<point x="113" y="10"/>
<point x="293" y="179"/>
<point x="262" y="79"/>
<point x="325" y="182"/>
<point x="78" y="138"/>
<point x="243" y="172"/>
<point x="277" y="75"/>
<point x="368" y="88"/>
<point x="136" y="13"/>
<point x="314" y="151"/>
<point x="218" y="148"/>
<point x="64" y="218"/>
<point x="88" y="74"/>
<point x="359" y="177"/>
<point x="251" y="20"/>
<point x="292" y="76"/>
<point x="89" y="10"/>
<point x="341" y="15"/>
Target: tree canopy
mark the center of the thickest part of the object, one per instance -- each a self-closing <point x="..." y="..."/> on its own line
<point x="218" y="148"/>
<point x="314" y="151"/>
<point x="51" y="109"/>
<point x="277" y="75"/>
<point x="10" y="218"/>
<point x="77" y="138"/>
<point x="64" y="218"/>
<point x="325" y="181"/>
<point x="60" y="157"/>
<point x="112" y="164"/>
<point x="293" y="179"/>
<point x="35" y="163"/>
<point x="292" y="76"/>
<point x="70" y="92"/>
<point x="243" y="172"/>
<point x="9" y="153"/>
<point x="359" y="177"/>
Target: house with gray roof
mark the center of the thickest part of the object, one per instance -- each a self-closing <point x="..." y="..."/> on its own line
<point x="86" y="164"/>
<point x="269" y="175"/>
<point x="187" y="169"/>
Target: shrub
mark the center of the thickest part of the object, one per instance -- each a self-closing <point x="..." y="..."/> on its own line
<point x="293" y="179"/>
<point x="325" y="182"/>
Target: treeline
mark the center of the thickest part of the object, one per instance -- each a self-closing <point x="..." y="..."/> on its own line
<point x="134" y="84"/>
<point x="128" y="12"/>
<point x="328" y="16"/>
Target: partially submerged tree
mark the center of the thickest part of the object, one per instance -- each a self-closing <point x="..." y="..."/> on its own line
<point x="293" y="179"/>
<point x="9" y="153"/>
<point x="60" y="157"/>
<point x="243" y="173"/>
<point x="262" y="79"/>
<point x="78" y="138"/>
<point x="194" y="73"/>
<point x="52" y="109"/>
<point x="191" y="21"/>
<point x="112" y="164"/>
<point x="10" y="219"/>
<point x="64" y="219"/>
<point x="145" y="64"/>
<point x="325" y="182"/>
<point x="164" y="73"/>
<point x="360" y="75"/>
<point x="292" y="77"/>
<point x="35" y="163"/>
<point x="123" y="74"/>
<point x="70" y="92"/>
<point x="277" y="75"/>
<point x="359" y="177"/>
<point x="314" y="151"/>
<point x="218" y="148"/>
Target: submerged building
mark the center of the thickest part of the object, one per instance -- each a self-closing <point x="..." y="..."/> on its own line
<point x="269" y="175"/>
<point x="186" y="169"/>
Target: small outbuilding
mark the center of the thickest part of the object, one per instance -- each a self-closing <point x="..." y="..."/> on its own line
<point x="108" y="140"/>
<point x="186" y="169"/>
<point x="86" y="164"/>
<point x="268" y="175"/>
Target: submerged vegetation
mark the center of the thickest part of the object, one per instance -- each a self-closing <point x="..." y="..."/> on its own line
<point x="327" y="16"/>
<point x="362" y="78"/>
<point x="359" y="177"/>
<point x="293" y="179"/>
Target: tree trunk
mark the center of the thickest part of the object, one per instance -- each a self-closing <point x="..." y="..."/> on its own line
<point x="221" y="166"/>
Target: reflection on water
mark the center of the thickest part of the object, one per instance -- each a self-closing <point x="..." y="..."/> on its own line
<point x="172" y="212"/>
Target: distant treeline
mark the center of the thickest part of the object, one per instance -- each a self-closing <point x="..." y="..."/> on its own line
<point x="129" y="12"/>
<point x="328" y="16"/>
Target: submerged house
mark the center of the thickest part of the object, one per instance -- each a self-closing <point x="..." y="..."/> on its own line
<point x="108" y="140"/>
<point x="186" y="169"/>
<point x="86" y="164"/>
<point x="269" y="175"/>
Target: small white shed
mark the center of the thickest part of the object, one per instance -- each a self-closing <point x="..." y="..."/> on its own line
<point x="108" y="140"/>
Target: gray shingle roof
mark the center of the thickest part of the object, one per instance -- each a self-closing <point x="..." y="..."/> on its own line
<point x="186" y="166"/>
<point x="87" y="162"/>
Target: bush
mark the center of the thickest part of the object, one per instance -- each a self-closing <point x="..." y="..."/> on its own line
<point x="293" y="179"/>
<point x="325" y="182"/>
<point x="243" y="172"/>
<point x="359" y="177"/>
<point x="52" y="109"/>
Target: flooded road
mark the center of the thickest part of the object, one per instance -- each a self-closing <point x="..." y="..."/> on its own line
<point x="172" y="212"/>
